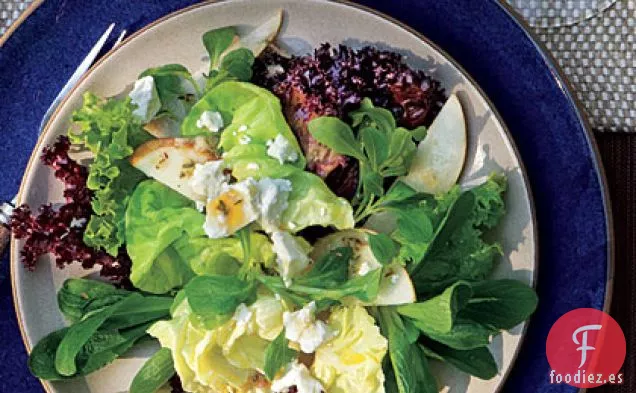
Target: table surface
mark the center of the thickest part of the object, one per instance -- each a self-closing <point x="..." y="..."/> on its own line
<point x="618" y="152"/>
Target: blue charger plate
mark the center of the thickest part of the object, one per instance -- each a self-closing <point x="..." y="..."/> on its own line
<point x="575" y="239"/>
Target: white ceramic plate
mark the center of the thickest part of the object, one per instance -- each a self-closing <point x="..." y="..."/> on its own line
<point x="177" y="39"/>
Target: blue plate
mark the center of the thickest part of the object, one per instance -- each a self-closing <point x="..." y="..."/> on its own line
<point x="522" y="82"/>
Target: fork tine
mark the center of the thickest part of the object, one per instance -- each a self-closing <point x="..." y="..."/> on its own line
<point x="119" y="39"/>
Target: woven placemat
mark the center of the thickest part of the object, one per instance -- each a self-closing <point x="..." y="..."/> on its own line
<point x="594" y="41"/>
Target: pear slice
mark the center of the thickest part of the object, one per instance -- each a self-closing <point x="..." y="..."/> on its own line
<point x="171" y="161"/>
<point x="440" y="156"/>
<point x="363" y="260"/>
<point x="396" y="286"/>
<point x="163" y="127"/>
<point x="260" y="37"/>
<point x="382" y="222"/>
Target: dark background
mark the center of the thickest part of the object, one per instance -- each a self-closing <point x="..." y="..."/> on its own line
<point x="618" y="152"/>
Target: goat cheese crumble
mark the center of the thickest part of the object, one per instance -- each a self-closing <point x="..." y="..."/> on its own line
<point x="211" y="121"/>
<point x="299" y="376"/>
<point x="208" y="180"/>
<point x="240" y="204"/>
<point x="291" y="258"/>
<point x="273" y="196"/>
<point x="302" y="328"/>
<point x="232" y="210"/>
<point x="145" y="96"/>
<point x="281" y="149"/>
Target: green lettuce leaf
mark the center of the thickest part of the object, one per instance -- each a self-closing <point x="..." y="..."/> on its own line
<point x="310" y="202"/>
<point x="249" y="112"/>
<point x="175" y="86"/>
<point x="168" y="246"/>
<point x="156" y="217"/>
<point x="111" y="132"/>
<point x="458" y="250"/>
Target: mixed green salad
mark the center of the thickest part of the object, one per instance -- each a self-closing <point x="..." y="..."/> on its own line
<point x="254" y="273"/>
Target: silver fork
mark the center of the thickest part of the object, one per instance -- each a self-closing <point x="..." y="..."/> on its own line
<point x="6" y="209"/>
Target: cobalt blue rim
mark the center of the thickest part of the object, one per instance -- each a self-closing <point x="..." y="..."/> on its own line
<point x="568" y="90"/>
<point x="396" y="9"/>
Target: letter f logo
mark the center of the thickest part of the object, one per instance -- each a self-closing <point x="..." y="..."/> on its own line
<point x="584" y="348"/>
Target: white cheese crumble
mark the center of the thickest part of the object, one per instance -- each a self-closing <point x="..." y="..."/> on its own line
<point x="215" y="226"/>
<point x="208" y="180"/>
<point x="291" y="258"/>
<point x="299" y="376"/>
<point x="365" y="267"/>
<point x="211" y="121"/>
<point x="242" y="128"/>
<point x="274" y="69"/>
<point x="242" y="315"/>
<point x="233" y="206"/>
<point x="77" y="222"/>
<point x="280" y="149"/>
<point x="302" y="327"/>
<point x="273" y="195"/>
<point x="144" y="95"/>
<point x="233" y="209"/>
<point x="244" y="139"/>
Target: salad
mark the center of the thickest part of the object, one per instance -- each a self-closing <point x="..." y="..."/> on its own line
<point x="277" y="224"/>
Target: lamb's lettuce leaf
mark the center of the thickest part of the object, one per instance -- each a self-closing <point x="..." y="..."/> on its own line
<point x="176" y="88"/>
<point x="106" y="323"/>
<point x="216" y="42"/>
<point x="228" y="61"/>
<point x="478" y="362"/>
<point x="411" y="373"/>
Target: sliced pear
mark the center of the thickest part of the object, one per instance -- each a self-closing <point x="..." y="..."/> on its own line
<point x="260" y="37"/>
<point x="363" y="260"/>
<point x="440" y="156"/>
<point x="383" y="222"/>
<point x="171" y="161"/>
<point x="396" y="286"/>
<point x="163" y="127"/>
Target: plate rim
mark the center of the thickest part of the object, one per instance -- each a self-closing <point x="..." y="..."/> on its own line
<point x="511" y="13"/>
<point x="567" y="88"/>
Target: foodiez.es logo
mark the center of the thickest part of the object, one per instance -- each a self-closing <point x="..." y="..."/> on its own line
<point x="586" y="348"/>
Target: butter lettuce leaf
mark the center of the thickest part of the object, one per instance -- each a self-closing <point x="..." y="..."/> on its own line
<point x="226" y="357"/>
<point x="156" y="217"/>
<point x="168" y="246"/>
<point x="310" y="202"/>
<point x="351" y="362"/>
<point x="253" y="116"/>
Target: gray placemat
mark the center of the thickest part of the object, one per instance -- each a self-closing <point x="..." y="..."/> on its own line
<point x="594" y="41"/>
<point x="10" y="10"/>
<point x="599" y="56"/>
